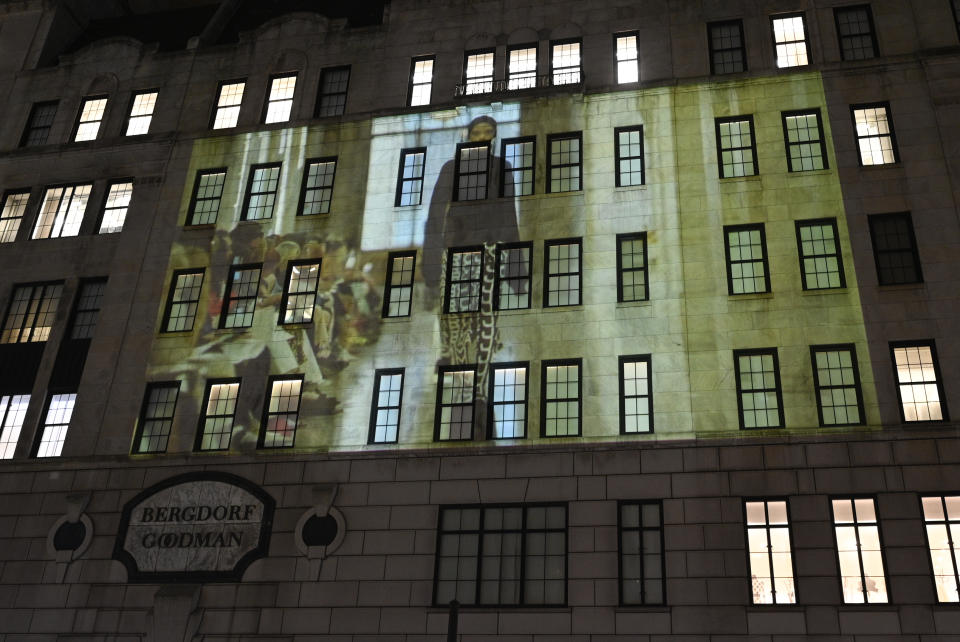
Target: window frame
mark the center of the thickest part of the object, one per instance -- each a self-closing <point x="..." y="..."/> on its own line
<point x="4" y="225"/>
<point x="448" y="281"/>
<point x="217" y="107"/>
<point x="545" y="401"/>
<point x="894" y="147"/>
<point x="195" y="196"/>
<point x="622" y="360"/>
<point x="818" y="222"/>
<point x="532" y="168"/>
<point x="875" y="219"/>
<point x="498" y="279"/>
<point x="578" y="136"/>
<point x="35" y="314"/>
<point x="618" y="158"/>
<point x="856" y="523"/>
<point x="410" y="151"/>
<point x="307" y="164"/>
<point x="955" y="10"/>
<point x="210" y="383"/>
<point x="522" y="75"/>
<point x="389" y="286"/>
<point x="249" y="193"/>
<point x="919" y="343"/>
<point x="267" y="414"/>
<point x="142" y="418"/>
<point x="805" y="41"/>
<point x="321" y="95"/>
<point x="285" y="297"/>
<point x="267" y="101"/>
<point x="954" y="545"/>
<point x="375" y="408"/>
<point x="171" y="292"/>
<point x="616" y="61"/>
<point x="778" y="389"/>
<point x="632" y="236"/>
<point x="765" y="260"/>
<point x="66" y="214"/>
<point x="470" y="81"/>
<point x="441" y="371"/>
<point x="767" y="527"/>
<point x="713" y="52"/>
<point x="492" y="403"/>
<point x="547" y="274"/>
<point x="784" y="115"/>
<point x="873" y="30"/>
<point x="30" y="127"/>
<point x="562" y="71"/>
<point x="11" y="425"/>
<point x="78" y="122"/>
<point x="753" y="144"/>
<point x="457" y="175"/>
<point x="42" y="427"/>
<point x="231" y="275"/>
<point x="818" y="386"/>
<point x="412" y="86"/>
<point x="76" y="310"/>
<point x="106" y="199"/>
<point x="132" y="104"/>
<point x="621" y="529"/>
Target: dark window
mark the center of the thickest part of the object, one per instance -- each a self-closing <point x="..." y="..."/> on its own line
<point x="410" y="176"/>
<point x="727" y="52"/>
<point x="227" y="110"/>
<point x="183" y="301"/>
<point x="207" y="192"/>
<point x="512" y="286"/>
<point x="399" y="288"/>
<point x="836" y="382"/>
<point x="478" y="71"/>
<point x="818" y="245"/>
<point x="115" y="206"/>
<point x="508" y="401"/>
<point x="280" y="98"/>
<point x="421" y="81"/>
<point x="13" y="410"/>
<point x="89" y="118"/>
<point x="803" y="139"/>
<point x="955" y="5"/>
<point x="858" y="40"/>
<point x="300" y="291"/>
<point x="859" y="553"/>
<point x="455" y="402"/>
<point x="31" y="313"/>
<point x="39" y="123"/>
<point x="156" y="417"/>
<point x="62" y="210"/>
<point x="464" y="276"/>
<point x="565" y="62"/>
<point x="876" y="140"/>
<point x="470" y="177"/>
<point x="281" y="412"/>
<point x="759" y="395"/>
<point x="565" y="164"/>
<point x="632" y="282"/>
<point x="895" y="249"/>
<point x="636" y="394"/>
<point x="771" y="560"/>
<point x="385" y="413"/>
<point x="747" y="269"/>
<point x="562" y="283"/>
<point x="332" y="99"/>
<point x="56" y="422"/>
<point x="518" y="166"/>
<point x="642" y="566"/>
<point x="261" y="192"/>
<point x="241" y="296"/>
<point x="736" y="147"/>
<point x="142" y="104"/>
<point x="87" y="310"/>
<point x="919" y="383"/>
<point x="219" y="408"/>
<point x="522" y="66"/>
<point x="627" y="57"/>
<point x="790" y="40"/>
<point x="501" y="555"/>
<point x="14" y="206"/>
<point x="941" y="516"/>
<point x="560" y="398"/>
<point x="629" y="155"/>
<point x="317" y="191"/>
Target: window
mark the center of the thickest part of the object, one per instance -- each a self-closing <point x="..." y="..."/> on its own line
<point x="87" y="310"/>
<point x="565" y="163"/>
<point x="115" y="206"/>
<point x="821" y="267"/>
<point x="317" y="190"/>
<point x="771" y="563"/>
<point x="501" y="555"/>
<point x="790" y="40"/>
<point x="62" y="211"/>
<point x="280" y="98"/>
<point x="261" y="192"/>
<point x="183" y="300"/>
<point x="746" y="247"/>
<point x="399" y="288"/>
<point x="562" y="273"/>
<point x="875" y="137"/>
<point x="565" y="62"/>
<point x="629" y="155"/>
<point x="227" y="110"/>
<point x="281" y="413"/>
<point x="636" y="399"/>
<point x="518" y="167"/>
<point x="759" y="396"/>
<point x="470" y="175"/>
<point x="858" y="551"/>
<point x="508" y="401"/>
<point x="478" y="72"/>
<point x="736" y="147"/>
<point x="332" y="99"/>
<point x="560" y="395"/>
<point x="464" y="274"/>
<point x="895" y="249"/>
<point x="216" y="421"/>
<point x="385" y="414"/>
<point x="858" y="40"/>
<point x="207" y="192"/>
<point x="156" y="417"/>
<point x="522" y="67"/>
<point x="53" y="431"/>
<point x="727" y="52"/>
<point x="14" y="205"/>
<point x="89" y="119"/>
<point x="32" y="312"/>
<point x="410" y="176"/>
<point x="13" y="409"/>
<point x="955" y="5"/>
<point x="512" y="286"/>
<point x="421" y="80"/>
<point x="300" y="292"/>
<point x="632" y="267"/>
<point x="142" y="104"/>
<point x="241" y="298"/>
<point x="628" y="59"/>
<point x="642" y="568"/>
<point x="941" y="516"/>
<point x="39" y="123"/>
<point x="836" y="382"/>
<point x="919" y="384"/>
<point x="803" y="139"/>
<point x="454" y="418"/>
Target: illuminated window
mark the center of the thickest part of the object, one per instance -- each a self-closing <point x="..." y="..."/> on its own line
<point x="332" y="99"/>
<point x="399" y="288"/>
<point x="512" y="286"/>
<point x="62" y="211"/>
<point x="746" y="247"/>
<point x="471" y="170"/>
<point x="632" y="267"/>
<point x="282" y="412"/>
<point x="803" y="139"/>
<point x="464" y="274"/>
<point x="89" y="119"/>
<point x="629" y="155"/>
<point x="300" y="293"/>
<point x="14" y="205"/>
<point x="261" y="192"/>
<point x="183" y="300"/>
<point x="565" y="62"/>
<point x="821" y="266"/>
<point x="941" y="516"/>
<point x="636" y="398"/>
<point x="508" y="401"/>
<point x="280" y="98"/>
<point x="385" y="414"/>
<point x="790" y="40"/>
<point x="522" y="67"/>
<point x="478" y="72"/>
<point x="875" y="138"/>
<point x="32" y="312"/>
<point x="759" y="396"/>
<point x="115" y="207"/>
<point x="858" y="40"/>
<point x="858" y="551"/>
<point x="771" y="562"/>
<point x="410" y="176"/>
<point x="642" y="568"/>
<point x="207" y="192"/>
<point x="317" y="190"/>
<point x="53" y="431"/>
<point x="565" y="164"/>
<point x="156" y="417"/>
<point x="241" y="297"/>
<point x="454" y="418"/>
<point x="216" y="421"/>
<point x="227" y="111"/>
<point x="727" y="52"/>
<point x="89" y="302"/>
<point x="628" y="59"/>
<point x="836" y="382"/>
<point x="142" y="105"/>
<point x="919" y="384"/>
<point x="736" y="146"/>
<point x="13" y="409"/>
<point x="421" y="80"/>
<point x="562" y="274"/>
<point x="895" y="249"/>
<point x="518" y="167"/>
<point x="39" y="123"/>
<point x="560" y="398"/>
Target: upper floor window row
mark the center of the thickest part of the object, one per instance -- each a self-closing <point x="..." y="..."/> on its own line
<point x="90" y="116"/>
<point x="62" y="210"/>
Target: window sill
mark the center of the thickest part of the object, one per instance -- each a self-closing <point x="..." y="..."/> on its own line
<point x="748" y="296"/>
<point x="630" y="188"/>
<point x="810" y="172"/>
<point x="175" y="334"/>
<point x="897" y="165"/>
<point x="894" y="287"/>
<point x="739" y="179"/>
<point x="201" y="227"/>
<point x="578" y="192"/>
<point x="397" y="319"/>
<point x="561" y="308"/>
<point x="822" y="291"/>
<point x="638" y="304"/>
